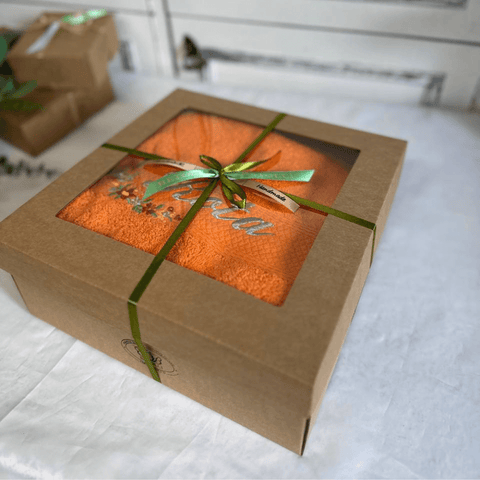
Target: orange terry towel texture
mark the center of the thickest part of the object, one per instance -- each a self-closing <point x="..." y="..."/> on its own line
<point x="259" y="250"/>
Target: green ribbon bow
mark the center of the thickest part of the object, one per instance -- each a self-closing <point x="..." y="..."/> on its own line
<point x="84" y="17"/>
<point x="226" y="175"/>
<point x="218" y="174"/>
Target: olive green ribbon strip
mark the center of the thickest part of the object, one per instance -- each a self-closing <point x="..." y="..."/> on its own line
<point x="190" y="215"/>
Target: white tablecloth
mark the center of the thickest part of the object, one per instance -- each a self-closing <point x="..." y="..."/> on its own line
<point x="404" y="399"/>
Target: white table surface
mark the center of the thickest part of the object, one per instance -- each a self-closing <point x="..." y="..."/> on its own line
<point x="404" y="399"/>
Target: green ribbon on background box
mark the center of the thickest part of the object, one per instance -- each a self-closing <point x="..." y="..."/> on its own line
<point x="10" y="96"/>
<point x="226" y="176"/>
<point x="80" y="18"/>
<point x="71" y="19"/>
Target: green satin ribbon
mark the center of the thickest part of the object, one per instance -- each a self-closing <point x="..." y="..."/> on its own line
<point x="84" y="17"/>
<point x="227" y="175"/>
<point x="221" y="174"/>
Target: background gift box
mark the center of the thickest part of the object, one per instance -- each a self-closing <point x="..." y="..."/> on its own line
<point x="36" y="130"/>
<point x="76" y="56"/>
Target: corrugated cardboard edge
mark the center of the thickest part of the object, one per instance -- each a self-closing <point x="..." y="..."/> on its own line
<point x="334" y="349"/>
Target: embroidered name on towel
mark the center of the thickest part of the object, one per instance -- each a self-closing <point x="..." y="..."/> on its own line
<point x="250" y="225"/>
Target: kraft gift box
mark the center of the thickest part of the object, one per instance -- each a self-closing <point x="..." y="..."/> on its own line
<point x="91" y="100"/>
<point x="65" y="110"/>
<point x="249" y="311"/>
<point x="76" y="56"/>
<point x="36" y="130"/>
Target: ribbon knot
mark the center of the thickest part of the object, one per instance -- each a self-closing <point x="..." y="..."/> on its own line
<point x="234" y="171"/>
<point x="229" y="187"/>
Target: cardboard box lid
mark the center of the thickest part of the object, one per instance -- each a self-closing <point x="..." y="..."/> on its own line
<point x="293" y="340"/>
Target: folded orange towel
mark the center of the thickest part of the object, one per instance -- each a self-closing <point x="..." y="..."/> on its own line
<point x="259" y="250"/>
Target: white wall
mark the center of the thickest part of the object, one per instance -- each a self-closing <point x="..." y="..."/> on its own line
<point x="415" y="51"/>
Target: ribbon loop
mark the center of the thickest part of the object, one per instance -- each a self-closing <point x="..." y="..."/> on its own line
<point x="211" y="162"/>
<point x="271" y="192"/>
<point x="240" y="167"/>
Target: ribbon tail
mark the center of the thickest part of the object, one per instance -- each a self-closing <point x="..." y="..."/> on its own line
<point x="272" y="193"/>
<point x="152" y="270"/>
<point x="44" y="39"/>
<point x="287" y="176"/>
<point x="177" y="177"/>
<point x="230" y="189"/>
<point x="135" y="328"/>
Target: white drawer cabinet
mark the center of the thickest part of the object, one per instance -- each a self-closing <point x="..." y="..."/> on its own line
<point x="441" y="19"/>
<point x="386" y="68"/>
